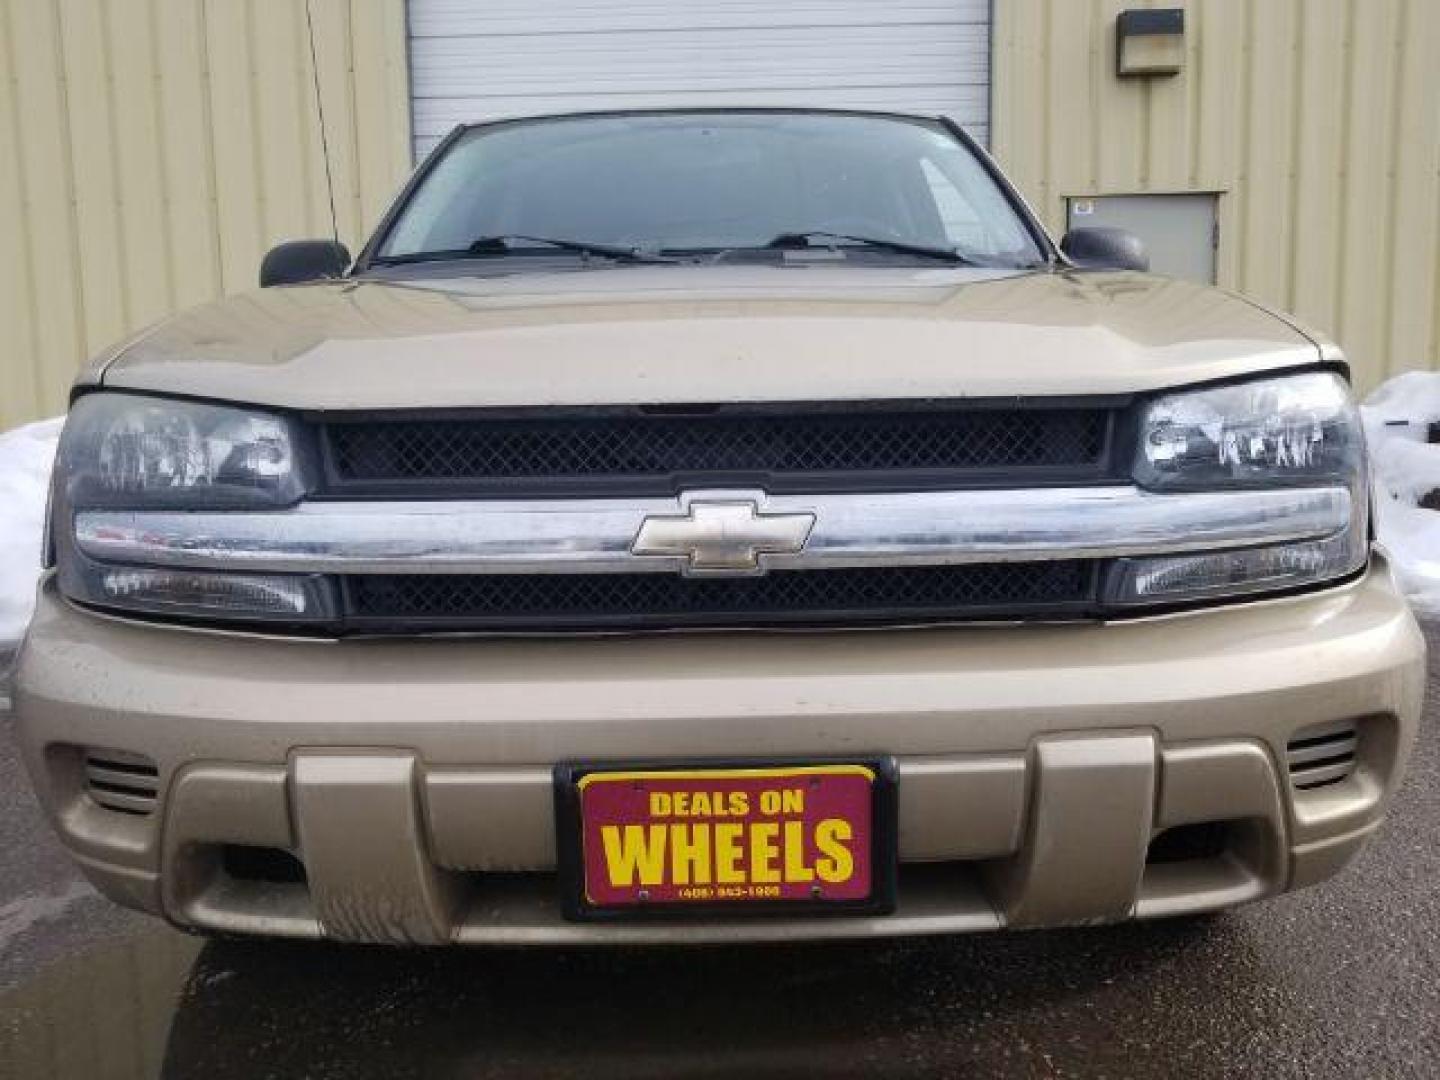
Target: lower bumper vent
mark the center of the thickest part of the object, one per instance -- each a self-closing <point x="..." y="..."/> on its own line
<point x="121" y="781"/>
<point x="1322" y="755"/>
<point x="1188" y="843"/>
<point x="274" y="866"/>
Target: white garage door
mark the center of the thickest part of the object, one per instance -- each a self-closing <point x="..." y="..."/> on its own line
<point x="482" y="59"/>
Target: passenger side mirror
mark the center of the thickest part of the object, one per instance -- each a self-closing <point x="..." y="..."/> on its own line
<point x="303" y="260"/>
<point x="1105" y="249"/>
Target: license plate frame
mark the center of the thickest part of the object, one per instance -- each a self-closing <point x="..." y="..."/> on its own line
<point x="569" y="843"/>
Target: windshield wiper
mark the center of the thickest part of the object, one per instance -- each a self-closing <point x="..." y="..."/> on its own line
<point x="829" y="239"/>
<point x="504" y="244"/>
<point x="511" y="243"/>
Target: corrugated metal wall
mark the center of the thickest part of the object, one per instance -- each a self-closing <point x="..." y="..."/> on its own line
<point x="154" y="149"/>
<point x="1318" y="120"/>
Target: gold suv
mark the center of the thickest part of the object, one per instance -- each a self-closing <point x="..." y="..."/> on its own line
<point x="708" y="526"/>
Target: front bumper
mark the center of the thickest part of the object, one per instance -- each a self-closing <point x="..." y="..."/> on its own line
<point x="413" y="778"/>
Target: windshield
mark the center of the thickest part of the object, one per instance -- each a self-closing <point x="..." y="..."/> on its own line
<point x="711" y="182"/>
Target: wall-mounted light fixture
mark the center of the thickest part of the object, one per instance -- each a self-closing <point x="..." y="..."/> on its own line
<point x="1150" y="41"/>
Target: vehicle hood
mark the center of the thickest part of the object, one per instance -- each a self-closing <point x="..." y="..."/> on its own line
<point x="624" y="334"/>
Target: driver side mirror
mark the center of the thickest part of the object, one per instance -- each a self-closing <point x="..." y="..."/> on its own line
<point x="1105" y="249"/>
<point x="303" y="260"/>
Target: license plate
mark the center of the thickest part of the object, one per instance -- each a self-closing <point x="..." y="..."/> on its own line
<point x="814" y="836"/>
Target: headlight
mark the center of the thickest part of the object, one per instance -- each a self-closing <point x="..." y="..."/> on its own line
<point x="144" y="453"/>
<point x="1291" y="431"/>
<point x="1302" y="429"/>
<point x="127" y="451"/>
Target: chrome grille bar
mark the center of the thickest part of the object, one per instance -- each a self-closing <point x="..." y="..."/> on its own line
<point x="599" y="536"/>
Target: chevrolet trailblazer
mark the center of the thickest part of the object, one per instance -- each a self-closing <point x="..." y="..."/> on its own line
<point x="710" y="526"/>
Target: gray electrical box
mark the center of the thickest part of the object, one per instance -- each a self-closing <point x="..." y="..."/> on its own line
<point x="1179" y="231"/>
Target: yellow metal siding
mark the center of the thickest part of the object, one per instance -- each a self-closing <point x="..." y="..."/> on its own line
<point x="1318" y="121"/>
<point x="152" y="150"/>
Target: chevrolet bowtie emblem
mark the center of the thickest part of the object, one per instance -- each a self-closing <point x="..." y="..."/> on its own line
<point x="723" y="537"/>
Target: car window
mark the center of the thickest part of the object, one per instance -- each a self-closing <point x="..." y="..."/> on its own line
<point x="972" y="227"/>
<point x="708" y="181"/>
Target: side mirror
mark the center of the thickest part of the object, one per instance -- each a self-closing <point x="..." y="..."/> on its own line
<point x="303" y="260"/>
<point x="1105" y="249"/>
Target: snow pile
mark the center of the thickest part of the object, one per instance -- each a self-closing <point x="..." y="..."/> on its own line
<point x="1407" y="468"/>
<point x="25" y="458"/>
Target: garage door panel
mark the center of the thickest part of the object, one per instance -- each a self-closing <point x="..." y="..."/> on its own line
<point x="896" y="56"/>
<point x="449" y="18"/>
<point x="507" y="58"/>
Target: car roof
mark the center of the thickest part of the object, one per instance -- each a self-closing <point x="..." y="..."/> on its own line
<point x="714" y="110"/>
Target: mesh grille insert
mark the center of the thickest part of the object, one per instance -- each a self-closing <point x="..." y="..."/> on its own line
<point x="794" y="443"/>
<point x="556" y="601"/>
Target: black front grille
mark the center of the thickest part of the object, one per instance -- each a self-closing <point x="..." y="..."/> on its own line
<point x="517" y="602"/>
<point x="789" y="447"/>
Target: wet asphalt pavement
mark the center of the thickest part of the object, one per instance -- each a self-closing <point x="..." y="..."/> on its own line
<point x="1342" y="980"/>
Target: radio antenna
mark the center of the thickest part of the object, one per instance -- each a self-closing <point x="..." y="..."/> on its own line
<point x="320" y="109"/>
